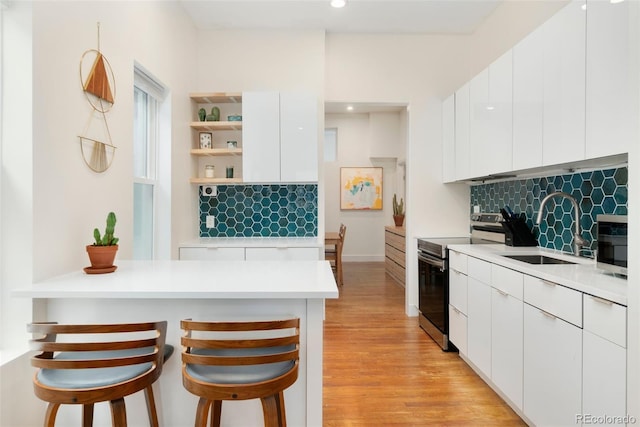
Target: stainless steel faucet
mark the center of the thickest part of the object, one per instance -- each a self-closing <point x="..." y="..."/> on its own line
<point x="578" y="240"/>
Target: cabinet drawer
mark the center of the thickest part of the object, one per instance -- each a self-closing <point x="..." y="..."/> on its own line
<point x="458" y="329"/>
<point x="507" y="281"/>
<point x="555" y="299"/>
<point x="480" y="270"/>
<point x="394" y="254"/>
<point x="458" y="290"/>
<point x="458" y="262"/>
<point x="212" y="254"/>
<point x="605" y="319"/>
<point x="395" y="240"/>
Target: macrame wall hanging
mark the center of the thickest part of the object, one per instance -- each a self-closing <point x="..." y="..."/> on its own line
<point x="100" y="90"/>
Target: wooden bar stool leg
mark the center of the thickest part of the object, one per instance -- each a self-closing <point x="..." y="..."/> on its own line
<point x="87" y="415"/>
<point x="50" y="415"/>
<point x="118" y="413"/>
<point x="282" y="415"/>
<point x="216" y="413"/>
<point x="151" y="407"/>
<point x="272" y="411"/>
<point x="202" y="412"/>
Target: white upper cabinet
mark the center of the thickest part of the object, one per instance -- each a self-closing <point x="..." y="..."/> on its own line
<point x="462" y="124"/>
<point x="491" y="94"/>
<point x="449" y="139"/>
<point x="261" y="136"/>
<point x="298" y="137"/>
<point x="528" y="92"/>
<point x="564" y="85"/>
<point x="610" y="91"/>
<point x="280" y="137"/>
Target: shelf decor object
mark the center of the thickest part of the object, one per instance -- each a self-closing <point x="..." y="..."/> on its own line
<point x="100" y="90"/>
<point x="361" y="188"/>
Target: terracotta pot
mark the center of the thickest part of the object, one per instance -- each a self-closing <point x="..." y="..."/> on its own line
<point x="102" y="256"/>
<point x="399" y="220"/>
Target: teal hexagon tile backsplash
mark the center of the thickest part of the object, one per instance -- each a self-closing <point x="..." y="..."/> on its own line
<point x="268" y="210"/>
<point x="597" y="192"/>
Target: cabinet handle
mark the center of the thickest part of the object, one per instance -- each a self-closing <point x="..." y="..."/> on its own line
<point x="456" y="271"/>
<point x="503" y="293"/>
<point x="456" y="310"/>
<point x="601" y="301"/>
<point x="548" y="283"/>
<point x="549" y="315"/>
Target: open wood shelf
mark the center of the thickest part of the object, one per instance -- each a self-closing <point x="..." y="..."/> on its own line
<point x="216" y="151"/>
<point x="214" y="181"/>
<point x="213" y="126"/>
<point x="216" y="97"/>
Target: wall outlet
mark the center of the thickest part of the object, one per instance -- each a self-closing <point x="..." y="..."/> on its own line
<point x="211" y="221"/>
<point x="476" y="209"/>
<point x="209" y="190"/>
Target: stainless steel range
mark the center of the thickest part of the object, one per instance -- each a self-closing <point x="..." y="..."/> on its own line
<point x="433" y="274"/>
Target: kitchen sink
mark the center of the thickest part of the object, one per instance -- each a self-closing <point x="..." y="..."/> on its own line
<point x="538" y="259"/>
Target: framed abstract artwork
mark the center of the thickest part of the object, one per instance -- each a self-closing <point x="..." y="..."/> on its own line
<point x="361" y="188"/>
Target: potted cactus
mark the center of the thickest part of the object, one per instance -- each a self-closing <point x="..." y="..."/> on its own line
<point x="398" y="211"/>
<point x="103" y="251"/>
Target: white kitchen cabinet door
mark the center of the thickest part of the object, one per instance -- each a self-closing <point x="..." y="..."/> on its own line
<point x="212" y="254"/>
<point x="528" y="81"/>
<point x="500" y="114"/>
<point x="458" y="290"/>
<point x="610" y="83"/>
<point x="564" y="85"/>
<point x="449" y="139"/>
<point x="479" y="124"/>
<point x="552" y="369"/>
<point x="604" y="376"/>
<point x="458" y="329"/>
<point x="507" y="345"/>
<point x="261" y="136"/>
<point x="462" y="129"/>
<point x="298" y="137"/>
<point x="479" y="325"/>
<point x="282" y="254"/>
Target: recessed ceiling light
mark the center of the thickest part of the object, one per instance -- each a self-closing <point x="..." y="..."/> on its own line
<point x="349" y="107"/>
<point x="616" y="1"/>
<point x="338" y="3"/>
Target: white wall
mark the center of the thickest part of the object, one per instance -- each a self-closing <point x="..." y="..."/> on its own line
<point x="358" y="136"/>
<point x="48" y="227"/>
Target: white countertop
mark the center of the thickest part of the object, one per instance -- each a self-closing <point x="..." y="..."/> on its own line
<point x="582" y="276"/>
<point x="194" y="279"/>
<point x="257" y="242"/>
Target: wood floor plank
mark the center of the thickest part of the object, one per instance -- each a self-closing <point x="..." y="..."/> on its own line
<point x="380" y="368"/>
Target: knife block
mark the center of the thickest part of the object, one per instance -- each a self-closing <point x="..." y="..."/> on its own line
<point x="517" y="233"/>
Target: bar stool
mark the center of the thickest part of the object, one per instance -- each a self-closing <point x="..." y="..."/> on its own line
<point x="333" y="254"/>
<point x="97" y="369"/>
<point x="239" y="361"/>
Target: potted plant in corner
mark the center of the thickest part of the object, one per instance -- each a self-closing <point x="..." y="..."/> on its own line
<point x="398" y="211"/>
<point x="103" y="251"/>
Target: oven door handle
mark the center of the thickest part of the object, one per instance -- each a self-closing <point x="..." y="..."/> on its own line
<point x="431" y="260"/>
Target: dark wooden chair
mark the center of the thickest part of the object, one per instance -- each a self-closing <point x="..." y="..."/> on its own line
<point x="109" y="363"/>
<point x="333" y="254"/>
<point x="219" y="364"/>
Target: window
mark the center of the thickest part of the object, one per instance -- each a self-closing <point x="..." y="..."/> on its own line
<point x="330" y="144"/>
<point x="148" y="96"/>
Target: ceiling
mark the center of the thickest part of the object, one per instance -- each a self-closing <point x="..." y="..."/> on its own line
<point x="358" y="16"/>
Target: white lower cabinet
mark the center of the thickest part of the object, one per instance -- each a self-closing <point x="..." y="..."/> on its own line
<point x="282" y="254"/>
<point x="250" y="253"/>
<point x="506" y="332"/>
<point x="552" y="369"/>
<point x="479" y="325"/>
<point x="604" y="377"/>
<point x="212" y="254"/>
<point x="458" y="329"/>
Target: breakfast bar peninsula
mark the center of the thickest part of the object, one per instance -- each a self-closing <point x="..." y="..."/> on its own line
<point x="202" y="290"/>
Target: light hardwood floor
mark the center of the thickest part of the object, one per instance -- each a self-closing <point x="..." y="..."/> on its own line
<point x="381" y="369"/>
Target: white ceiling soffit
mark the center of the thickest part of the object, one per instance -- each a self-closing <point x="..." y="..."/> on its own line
<point x="358" y="16"/>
